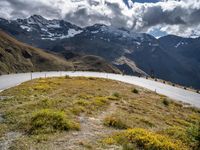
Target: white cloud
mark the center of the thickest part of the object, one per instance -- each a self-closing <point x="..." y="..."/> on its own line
<point x="179" y="17"/>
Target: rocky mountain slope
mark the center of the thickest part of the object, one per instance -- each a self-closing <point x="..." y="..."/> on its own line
<point x="133" y="53"/>
<point x="18" y="57"/>
<point x="186" y="51"/>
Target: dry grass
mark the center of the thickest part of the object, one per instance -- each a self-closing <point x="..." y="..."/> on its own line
<point x="75" y="97"/>
<point x="19" y="57"/>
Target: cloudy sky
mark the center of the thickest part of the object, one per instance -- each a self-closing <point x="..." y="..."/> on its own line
<point x="157" y="17"/>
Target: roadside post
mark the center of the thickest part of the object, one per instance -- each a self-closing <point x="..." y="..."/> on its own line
<point x="31" y="75"/>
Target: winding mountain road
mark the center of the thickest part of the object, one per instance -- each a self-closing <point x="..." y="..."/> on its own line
<point x="179" y="94"/>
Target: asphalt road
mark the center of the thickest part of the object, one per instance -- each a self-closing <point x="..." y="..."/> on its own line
<point x="179" y="94"/>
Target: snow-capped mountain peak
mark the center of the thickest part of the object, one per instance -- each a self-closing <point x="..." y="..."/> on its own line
<point x="47" y="29"/>
<point x="35" y="19"/>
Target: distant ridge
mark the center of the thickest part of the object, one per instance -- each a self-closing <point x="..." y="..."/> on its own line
<point x="171" y="58"/>
<point x="19" y="57"/>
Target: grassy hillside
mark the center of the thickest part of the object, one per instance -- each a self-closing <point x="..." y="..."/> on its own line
<point x="91" y="113"/>
<point x="93" y="63"/>
<point x="18" y="57"/>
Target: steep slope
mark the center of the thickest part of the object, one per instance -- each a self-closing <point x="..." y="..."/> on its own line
<point x="38" y="31"/>
<point x="185" y="47"/>
<point x="186" y="51"/>
<point x="18" y="57"/>
<point x="132" y="53"/>
<point x="110" y="43"/>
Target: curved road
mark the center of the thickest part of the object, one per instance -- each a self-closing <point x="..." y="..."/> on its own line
<point x="7" y="81"/>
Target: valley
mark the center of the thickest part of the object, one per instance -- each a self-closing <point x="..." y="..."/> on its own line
<point x="17" y="57"/>
<point x="170" y="58"/>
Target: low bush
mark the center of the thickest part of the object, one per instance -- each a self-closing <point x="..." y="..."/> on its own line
<point x="135" y="91"/>
<point x="147" y="122"/>
<point x="67" y="77"/>
<point x="112" y="121"/>
<point x="188" y="135"/>
<point x="82" y="102"/>
<point x="77" y="110"/>
<point x="99" y="101"/>
<point x="166" y="102"/>
<point x="116" y="94"/>
<point x="48" y="121"/>
<point x="92" y="78"/>
<point x="144" y="139"/>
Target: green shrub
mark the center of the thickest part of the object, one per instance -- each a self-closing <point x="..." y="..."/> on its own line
<point x="48" y="121"/>
<point x="147" y="122"/>
<point x="67" y="77"/>
<point x="193" y="132"/>
<point x="83" y="102"/>
<point x="92" y="78"/>
<point x="100" y="101"/>
<point x="188" y="135"/>
<point x="177" y="133"/>
<point x="116" y="94"/>
<point x="112" y="121"/>
<point x="144" y="139"/>
<point x="77" y="110"/>
<point x="135" y="91"/>
<point x="166" y="102"/>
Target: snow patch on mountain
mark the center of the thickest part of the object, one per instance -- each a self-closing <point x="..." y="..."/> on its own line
<point x="53" y="37"/>
<point x="180" y="44"/>
<point x="138" y="43"/>
<point x="94" y="32"/>
<point x="53" y="26"/>
<point x="27" y="28"/>
<point x="72" y="32"/>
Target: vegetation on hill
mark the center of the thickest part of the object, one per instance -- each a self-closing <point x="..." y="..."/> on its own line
<point x="91" y="113"/>
<point x="18" y="57"/>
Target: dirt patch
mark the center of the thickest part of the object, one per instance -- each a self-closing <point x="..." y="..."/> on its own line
<point x="5" y="97"/>
<point x="92" y="130"/>
<point x="6" y="141"/>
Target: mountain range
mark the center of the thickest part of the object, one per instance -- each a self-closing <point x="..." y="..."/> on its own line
<point x="19" y="57"/>
<point x="171" y="58"/>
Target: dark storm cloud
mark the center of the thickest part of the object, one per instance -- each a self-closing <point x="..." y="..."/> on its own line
<point x="182" y="16"/>
<point x="21" y="8"/>
<point x="179" y="16"/>
<point x="84" y="15"/>
<point x="155" y="15"/>
<point x="118" y="19"/>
